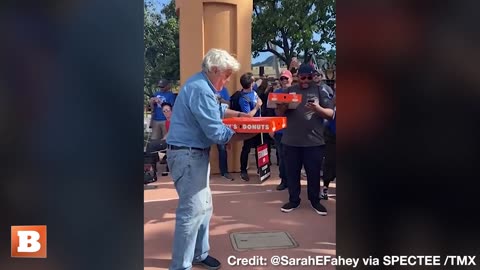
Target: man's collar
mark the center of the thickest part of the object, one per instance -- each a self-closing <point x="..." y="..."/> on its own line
<point x="209" y="82"/>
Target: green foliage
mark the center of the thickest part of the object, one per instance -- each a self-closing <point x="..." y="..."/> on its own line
<point x="291" y="25"/>
<point x="162" y="58"/>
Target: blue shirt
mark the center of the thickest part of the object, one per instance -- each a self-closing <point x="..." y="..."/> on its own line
<point x="248" y="101"/>
<point x="166" y="96"/>
<point x="279" y="90"/>
<point x="255" y="87"/>
<point x="197" y="118"/>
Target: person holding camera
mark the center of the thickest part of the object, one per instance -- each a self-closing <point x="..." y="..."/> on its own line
<point x="303" y="140"/>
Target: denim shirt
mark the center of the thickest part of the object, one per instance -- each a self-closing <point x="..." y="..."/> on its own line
<point x="197" y="118"/>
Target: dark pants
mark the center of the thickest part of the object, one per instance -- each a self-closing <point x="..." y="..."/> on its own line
<point x="253" y="143"/>
<point x="247" y="145"/>
<point x="330" y="170"/>
<point x="222" y="158"/>
<point x="156" y="145"/>
<point x="311" y="159"/>
<point x="280" y="157"/>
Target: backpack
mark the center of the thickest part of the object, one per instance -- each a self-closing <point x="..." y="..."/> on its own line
<point x="235" y="101"/>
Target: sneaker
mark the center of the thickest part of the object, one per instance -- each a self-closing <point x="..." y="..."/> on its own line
<point x="304" y="174"/>
<point x="227" y="176"/>
<point x="289" y="207"/>
<point x="324" y="195"/>
<point x="244" y="176"/>
<point x="282" y="186"/>
<point x="319" y="208"/>
<point x="209" y="263"/>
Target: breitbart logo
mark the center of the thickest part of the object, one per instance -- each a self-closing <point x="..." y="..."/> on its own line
<point x="265" y="127"/>
<point x="29" y="241"/>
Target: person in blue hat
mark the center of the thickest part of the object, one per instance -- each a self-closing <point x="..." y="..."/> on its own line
<point x="303" y="140"/>
<point x="164" y="94"/>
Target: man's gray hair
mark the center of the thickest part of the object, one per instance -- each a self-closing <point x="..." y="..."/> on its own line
<point x="220" y="59"/>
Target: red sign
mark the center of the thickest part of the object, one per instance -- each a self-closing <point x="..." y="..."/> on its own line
<point x="262" y="155"/>
<point x="263" y="162"/>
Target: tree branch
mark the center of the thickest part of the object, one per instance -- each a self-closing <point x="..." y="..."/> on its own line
<point x="286" y="49"/>
<point x="257" y="13"/>
<point x="278" y="43"/>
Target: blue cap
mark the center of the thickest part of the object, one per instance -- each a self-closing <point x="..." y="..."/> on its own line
<point x="306" y="69"/>
<point x="163" y="83"/>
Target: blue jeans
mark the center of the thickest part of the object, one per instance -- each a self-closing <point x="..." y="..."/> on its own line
<point x="222" y="158"/>
<point x="190" y="170"/>
<point x="281" y="156"/>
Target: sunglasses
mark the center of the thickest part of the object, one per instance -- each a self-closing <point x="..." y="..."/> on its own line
<point x="303" y="78"/>
<point x="283" y="79"/>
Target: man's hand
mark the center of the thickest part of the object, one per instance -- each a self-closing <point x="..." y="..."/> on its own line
<point x="313" y="106"/>
<point x="324" y="112"/>
<point x="231" y="113"/>
<point x="259" y="103"/>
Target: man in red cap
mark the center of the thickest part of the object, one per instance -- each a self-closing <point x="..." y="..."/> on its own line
<point x="286" y="79"/>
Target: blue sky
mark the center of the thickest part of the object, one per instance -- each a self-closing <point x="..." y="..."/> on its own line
<point x="261" y="57"/>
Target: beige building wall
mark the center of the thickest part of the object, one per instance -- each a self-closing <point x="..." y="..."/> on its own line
<point x="222" y="24"/>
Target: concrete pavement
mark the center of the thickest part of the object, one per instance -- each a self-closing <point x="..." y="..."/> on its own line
<point x="240" y="207"/>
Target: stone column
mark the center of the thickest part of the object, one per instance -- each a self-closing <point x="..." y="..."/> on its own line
<point x="222" y="24"/>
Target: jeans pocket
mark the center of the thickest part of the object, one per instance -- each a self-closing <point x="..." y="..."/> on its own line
<point x="198" y="155"/>
<point x="178" y="163"/>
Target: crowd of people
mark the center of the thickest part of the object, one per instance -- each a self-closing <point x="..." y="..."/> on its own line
<point x="191" y="123"/>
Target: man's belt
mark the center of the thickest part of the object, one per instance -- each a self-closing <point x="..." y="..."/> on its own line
<point x="174" y="147"/>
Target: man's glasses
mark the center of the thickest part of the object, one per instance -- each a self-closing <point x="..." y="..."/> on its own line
<point x="283" y="79"/>
<point x="303" y="78"/>
<point x="167" y="110"/>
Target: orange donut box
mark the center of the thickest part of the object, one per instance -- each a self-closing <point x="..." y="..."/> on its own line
<point x="293" y="100"/>
<point x="255" y="124"/>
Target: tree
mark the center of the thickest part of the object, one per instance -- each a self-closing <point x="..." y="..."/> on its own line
<point x="291" y="25"/>
<point x="162" y="56"/>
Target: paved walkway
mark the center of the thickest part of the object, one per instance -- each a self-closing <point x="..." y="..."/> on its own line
<point x="240" y="207"/>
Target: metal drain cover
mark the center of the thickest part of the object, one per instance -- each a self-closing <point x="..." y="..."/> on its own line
<point x="243" y="241"/>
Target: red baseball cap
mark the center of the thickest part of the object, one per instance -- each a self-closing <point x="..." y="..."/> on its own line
<point x="286" y="73"/>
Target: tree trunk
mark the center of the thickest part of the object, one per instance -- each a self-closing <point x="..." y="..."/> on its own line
<point x="306" y="57"/>
<point x="288" y="61"/>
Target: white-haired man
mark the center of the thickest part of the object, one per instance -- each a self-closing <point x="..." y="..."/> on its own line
<point x="195" y="125"/>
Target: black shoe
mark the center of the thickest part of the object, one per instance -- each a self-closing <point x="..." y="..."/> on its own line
<point x="209" y="263"/>
<point x="228" y="177"/>
<point x="282" y="186"/>
<point x="289" y="207"/>
<point x="244" y="176"/>
<point x="319" y="208"/>
<point x="324" y="195"/>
